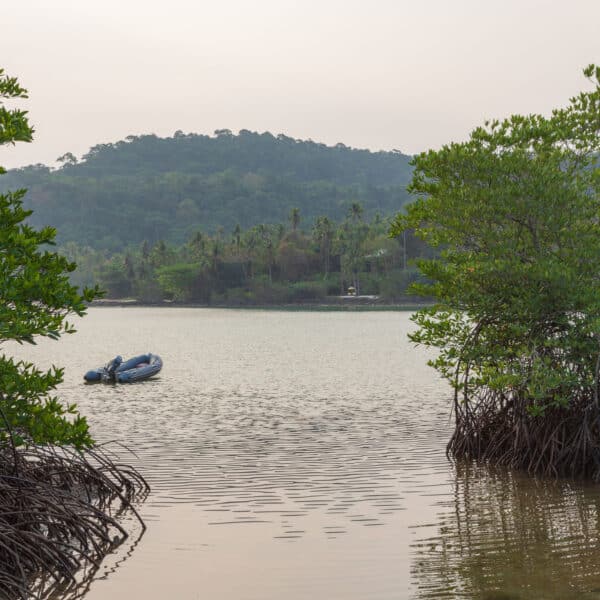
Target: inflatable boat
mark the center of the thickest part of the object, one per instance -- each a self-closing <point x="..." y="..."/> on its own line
<point x="134" y="369"/>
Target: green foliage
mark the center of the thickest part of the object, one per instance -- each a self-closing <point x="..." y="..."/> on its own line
<point x="13" y="122"/>
<point x="265" y="264"/>
<point x="183" y="282"/>
<point x="115" y="279"/>
<point x="36" y="296"/>
<point x="150" y="188"/>
<point x="514" y="213"/>
<point x="350" y="243"/>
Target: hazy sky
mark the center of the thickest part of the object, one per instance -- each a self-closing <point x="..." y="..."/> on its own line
<point x="378" y="74"/>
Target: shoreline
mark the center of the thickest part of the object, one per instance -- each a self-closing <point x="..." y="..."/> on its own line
<point x="357" y="304"/>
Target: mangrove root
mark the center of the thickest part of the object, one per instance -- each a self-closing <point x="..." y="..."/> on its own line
<point x="59" y="516"/>
<point x="564" y="441"/>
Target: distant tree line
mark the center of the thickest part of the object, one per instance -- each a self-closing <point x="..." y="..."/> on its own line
<point x="148" y="188"/>
<point x="264" y="264"/>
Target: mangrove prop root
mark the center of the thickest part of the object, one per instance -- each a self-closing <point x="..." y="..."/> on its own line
<point x="564" y="442"/>
<point x="59" y="516"/>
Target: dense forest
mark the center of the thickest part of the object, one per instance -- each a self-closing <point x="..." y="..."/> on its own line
<point x="264" y="264"/>
<point x="227" y="219"/>
<point x="147" y="188"/>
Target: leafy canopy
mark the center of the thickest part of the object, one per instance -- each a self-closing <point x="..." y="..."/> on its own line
<point x="168" y="188"/>
<point x="515" y="214"/>
<point x="35" y="299"/>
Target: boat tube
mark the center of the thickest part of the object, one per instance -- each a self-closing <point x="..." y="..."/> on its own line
<point x="134" y="369"/>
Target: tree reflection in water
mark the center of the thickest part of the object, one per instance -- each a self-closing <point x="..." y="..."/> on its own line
<point x="48" y="589"/>
<point x="509" y="536"/>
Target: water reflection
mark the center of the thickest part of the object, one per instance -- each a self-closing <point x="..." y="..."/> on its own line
<point x="46" y="588"/>
<point x="508" y="536"/>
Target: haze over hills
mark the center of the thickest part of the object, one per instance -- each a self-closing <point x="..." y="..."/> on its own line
<point x="151" y="188"/>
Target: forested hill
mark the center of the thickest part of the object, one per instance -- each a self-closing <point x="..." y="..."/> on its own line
<point x="151" y="188"/>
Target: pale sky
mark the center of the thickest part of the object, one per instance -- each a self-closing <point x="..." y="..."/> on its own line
<point x="378" y="74"/>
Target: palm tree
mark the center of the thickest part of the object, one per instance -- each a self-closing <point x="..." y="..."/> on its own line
<point x="323" y="233"/>
<point x="295" y="218"/>
<point x="356" y="231"/>
<point x="237" y="237"/>
<point x="216" y="255"/>
<point x="197" y="245"/>
<point x="266" y="238"/>
<point x="356" y="212"/>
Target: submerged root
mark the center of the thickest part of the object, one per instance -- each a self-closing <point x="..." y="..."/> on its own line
<point x="564" y="441"/>
<point x="59" y="514"/>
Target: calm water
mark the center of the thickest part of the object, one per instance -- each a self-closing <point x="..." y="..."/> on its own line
<point x="301" y="455"/>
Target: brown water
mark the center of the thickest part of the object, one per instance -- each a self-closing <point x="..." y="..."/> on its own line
<point x="301" y="455"/>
